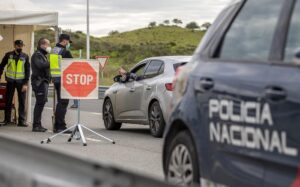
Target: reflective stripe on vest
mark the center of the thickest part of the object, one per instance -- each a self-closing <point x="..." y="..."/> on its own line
<point x="15" y="70"/>
<point x="55" y="60"/>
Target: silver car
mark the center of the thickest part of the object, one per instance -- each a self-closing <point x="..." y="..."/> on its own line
<point x="143" y="98"/>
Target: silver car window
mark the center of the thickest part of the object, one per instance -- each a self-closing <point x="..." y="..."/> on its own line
<point x="154" y="68"/>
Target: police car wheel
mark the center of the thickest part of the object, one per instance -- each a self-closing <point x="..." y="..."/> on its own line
<point x="182" y="164"/>
<point x="156" y="120"/>
<point x="108" y="116"/>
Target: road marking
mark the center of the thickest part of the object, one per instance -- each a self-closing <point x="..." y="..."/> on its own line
<point x="96" y="113"/>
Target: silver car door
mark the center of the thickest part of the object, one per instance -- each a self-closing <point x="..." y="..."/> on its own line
<point x="155" y="68"/>
<point x="129" y="96"/>
<point x="122" y="101"/>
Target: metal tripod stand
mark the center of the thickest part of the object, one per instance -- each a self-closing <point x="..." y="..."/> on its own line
<point x="77" y="132"/>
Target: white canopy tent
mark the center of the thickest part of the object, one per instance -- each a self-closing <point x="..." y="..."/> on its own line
<point x="19" y="20"/>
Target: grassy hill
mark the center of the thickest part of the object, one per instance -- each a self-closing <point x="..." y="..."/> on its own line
<point x="128" y="48"/>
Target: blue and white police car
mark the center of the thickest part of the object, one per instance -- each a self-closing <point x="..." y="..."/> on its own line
<point x="235" y="117"/>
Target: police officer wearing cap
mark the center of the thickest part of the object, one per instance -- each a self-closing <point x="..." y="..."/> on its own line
<point x="59" y="52"/>
<point x="40" y="79"/>
<point x="17" y="76"/>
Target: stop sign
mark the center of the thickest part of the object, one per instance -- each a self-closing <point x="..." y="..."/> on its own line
<point x="79" y="79"/>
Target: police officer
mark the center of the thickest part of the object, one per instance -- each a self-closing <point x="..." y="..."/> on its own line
<point x="59" y="52"/>
<point x="17" y="76"/>
<point x="40" y="79"/>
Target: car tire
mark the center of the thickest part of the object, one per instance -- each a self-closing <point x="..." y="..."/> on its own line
<point x="182" y="166"/>
<point x="156" y="120"/>
<point x="108" y="116"/>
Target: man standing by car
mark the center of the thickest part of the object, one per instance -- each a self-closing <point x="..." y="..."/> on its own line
<point x="59" y="52"/>
<point x="40" y="81"/>
<point x="17" y="76"/>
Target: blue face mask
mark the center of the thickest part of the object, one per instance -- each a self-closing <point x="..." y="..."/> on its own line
<point x="68" y="46"/>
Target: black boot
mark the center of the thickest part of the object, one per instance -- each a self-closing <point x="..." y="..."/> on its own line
<point x="39" y="129"/>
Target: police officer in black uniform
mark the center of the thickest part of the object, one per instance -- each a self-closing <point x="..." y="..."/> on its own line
<point x="17" y="76"/>
<point x="61" y="48"/>
<point x="40" y="79"/>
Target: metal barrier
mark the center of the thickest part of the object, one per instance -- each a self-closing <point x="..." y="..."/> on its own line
<point x="27" y="165"/>
<point x="101" y="91"/>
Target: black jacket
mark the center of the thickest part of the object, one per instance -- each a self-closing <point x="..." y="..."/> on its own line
<point x="40" y="67"/>
<point x="16" y="57"/>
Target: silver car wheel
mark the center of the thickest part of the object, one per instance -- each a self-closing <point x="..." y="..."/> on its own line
<point x="108" y="116"/>
<point x="180" y="169"/>
<point x="155" y="118"/>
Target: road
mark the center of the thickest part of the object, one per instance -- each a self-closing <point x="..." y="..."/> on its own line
<point x="86" y="105"/>
<point x="135" y="149"/>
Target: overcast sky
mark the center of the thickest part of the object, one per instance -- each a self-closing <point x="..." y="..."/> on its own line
<point x="124" y="15"/>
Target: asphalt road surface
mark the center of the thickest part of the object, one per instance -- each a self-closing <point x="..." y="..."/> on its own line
<point x="85" y="105"/>
<point x="135" y="149"/>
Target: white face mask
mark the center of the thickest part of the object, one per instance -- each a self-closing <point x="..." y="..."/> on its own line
<point x="48" y="49"/>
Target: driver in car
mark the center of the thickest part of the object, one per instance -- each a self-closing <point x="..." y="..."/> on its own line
<point x="126" y="76"/>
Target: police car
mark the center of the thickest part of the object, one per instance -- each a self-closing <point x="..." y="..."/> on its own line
<point x="235" y="117"/>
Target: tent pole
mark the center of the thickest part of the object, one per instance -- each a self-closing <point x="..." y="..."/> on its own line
<point x="29" y="92"/>
<point x="57" y="32"/>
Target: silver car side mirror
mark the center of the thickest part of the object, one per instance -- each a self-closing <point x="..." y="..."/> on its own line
<point x="117" y="78"/>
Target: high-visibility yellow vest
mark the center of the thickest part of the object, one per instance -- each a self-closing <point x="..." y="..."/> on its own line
<point x="55" y="61"/>
<point x="15" y="70"/>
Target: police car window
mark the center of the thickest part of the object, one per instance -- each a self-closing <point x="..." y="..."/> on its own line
<point x="251" y="33"/>
<point x="154" y="68"/>
<point x="293" y="41"/>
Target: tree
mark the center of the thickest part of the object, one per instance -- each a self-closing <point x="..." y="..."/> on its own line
<point x="205" y="26"/>
<point x="177" y="21"/>
<point x="166" y="22"/>
<point x="152" y="24"/>
<point x="113" y="33"/>
<point x="192" y="25"/>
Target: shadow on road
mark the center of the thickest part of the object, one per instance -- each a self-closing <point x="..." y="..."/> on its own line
<point x="135" y="130"/>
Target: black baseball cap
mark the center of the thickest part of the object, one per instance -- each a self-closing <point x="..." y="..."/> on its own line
<point x="65" y="37"/>
<point x="19" y="42"/>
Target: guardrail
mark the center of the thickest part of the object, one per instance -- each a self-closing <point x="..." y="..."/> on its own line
<point x="27" y="165"/>
<point x="101" y="91"/>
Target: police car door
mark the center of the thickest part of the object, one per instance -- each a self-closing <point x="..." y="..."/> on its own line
<point x="283" y="96"/>
<point x="238" y="114"/>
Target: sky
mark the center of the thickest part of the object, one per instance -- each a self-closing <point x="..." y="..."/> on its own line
<point x="125" y="15"/>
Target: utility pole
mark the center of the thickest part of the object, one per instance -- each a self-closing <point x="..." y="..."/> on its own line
<point x="87" y="29"/>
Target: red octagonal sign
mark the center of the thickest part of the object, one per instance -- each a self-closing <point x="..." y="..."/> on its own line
<point x="79" y="79"/>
